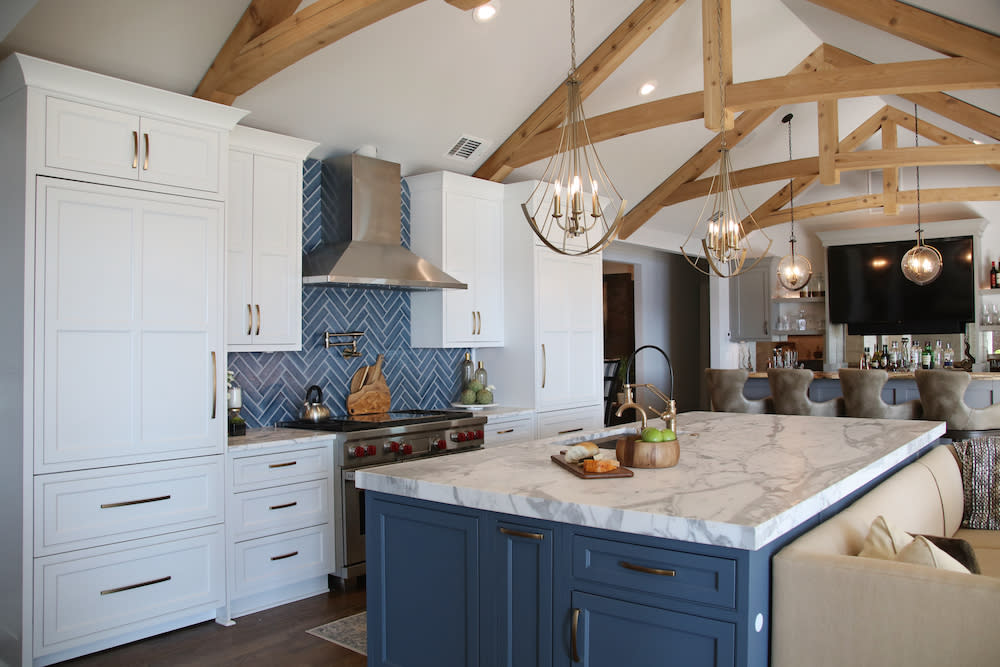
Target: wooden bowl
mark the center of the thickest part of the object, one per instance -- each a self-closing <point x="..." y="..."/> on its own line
<point x="634" y="453"/>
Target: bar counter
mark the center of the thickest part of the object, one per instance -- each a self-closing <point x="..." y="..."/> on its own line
<point x="832" y="375"/>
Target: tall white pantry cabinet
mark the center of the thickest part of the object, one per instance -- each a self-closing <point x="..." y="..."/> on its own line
<point x="112" y="368"/>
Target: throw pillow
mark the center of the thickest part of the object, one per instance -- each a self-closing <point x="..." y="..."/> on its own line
<point x="980" y="463"/>
<point x="884" y="540"/>
<point x="958" y="549"/>
<point x="921" y="552"/>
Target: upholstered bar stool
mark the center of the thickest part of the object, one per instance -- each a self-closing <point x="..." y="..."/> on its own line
<point x="790" y="393"/>
<point x="942" y="395"/>
<point x="725" y="389"/>
<point x="862" y="390"/>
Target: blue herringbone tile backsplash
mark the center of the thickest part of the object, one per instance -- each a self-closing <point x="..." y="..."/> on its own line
<point x="274" y="383"/>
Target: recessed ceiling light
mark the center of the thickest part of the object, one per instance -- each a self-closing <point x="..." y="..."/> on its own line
<point x="484" y="13"/>
<point x="647" y="88"/>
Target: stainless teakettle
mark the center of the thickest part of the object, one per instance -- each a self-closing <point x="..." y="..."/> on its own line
<point x="315" y="411"/>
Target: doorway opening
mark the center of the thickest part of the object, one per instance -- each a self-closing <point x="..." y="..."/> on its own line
<point x="619" y="333"/>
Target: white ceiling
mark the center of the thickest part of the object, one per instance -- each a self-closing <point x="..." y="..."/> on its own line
<point x="416" y="81"/>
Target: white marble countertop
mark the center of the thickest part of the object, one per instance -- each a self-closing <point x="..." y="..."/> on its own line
<point x="742" y="480"/>
<point x="501" y="411"/>
<point x="271" y="437"/>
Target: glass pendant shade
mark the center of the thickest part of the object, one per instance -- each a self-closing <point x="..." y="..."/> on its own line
<point x="922" y="263"/>
<point x="794" y="271"/>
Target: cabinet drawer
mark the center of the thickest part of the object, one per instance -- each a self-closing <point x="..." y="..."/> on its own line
<point x="282" y="508"/>
<point x="561" y="422"/>
<point x="508" y="431"/>
<point x="257" y="472"/>
<point x="270" y="562"/>
<point x="84" y="597"/>
<point x="91" y="139"/>
<point x="93" y="507"/>
<point x="696" y="577"/>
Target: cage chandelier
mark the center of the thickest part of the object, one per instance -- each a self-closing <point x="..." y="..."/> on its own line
<point x="575" y="209"/>
<point x="723" y="232"/>
<point x="922" y="263"/>
<point x="794" y="270"/>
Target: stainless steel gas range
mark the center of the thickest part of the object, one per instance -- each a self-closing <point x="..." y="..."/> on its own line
<point x="380" y="439"/>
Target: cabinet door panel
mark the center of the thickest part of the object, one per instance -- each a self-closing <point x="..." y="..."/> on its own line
<point x="523" y="563"/>
<point x="181" y="155"/>
<point x="91" y="139"/>
<point x="489" y="273"/>
<point x="613" y="632"/>
<point x="239" y="249"/>
<point x="461" y="255"/>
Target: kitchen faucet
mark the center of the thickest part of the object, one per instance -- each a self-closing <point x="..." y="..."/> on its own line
<point x="669" y="415"/>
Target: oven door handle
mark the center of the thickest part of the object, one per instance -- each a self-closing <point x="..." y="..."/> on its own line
<point x="349" y="475"/>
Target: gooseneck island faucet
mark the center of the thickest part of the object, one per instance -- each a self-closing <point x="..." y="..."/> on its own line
<point x="669" y="415"/>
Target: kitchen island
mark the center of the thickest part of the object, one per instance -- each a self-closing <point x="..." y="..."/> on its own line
<point x="523" y="563"/>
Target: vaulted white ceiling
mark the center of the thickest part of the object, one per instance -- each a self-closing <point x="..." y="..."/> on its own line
<point x="415" y="82"/>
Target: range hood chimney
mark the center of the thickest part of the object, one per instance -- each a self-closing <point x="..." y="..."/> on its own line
<point x="372" y="256"/>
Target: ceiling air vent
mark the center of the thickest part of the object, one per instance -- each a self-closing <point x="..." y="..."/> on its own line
<point x="467" y="147"/>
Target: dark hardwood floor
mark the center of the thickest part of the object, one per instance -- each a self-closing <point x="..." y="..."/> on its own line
<point x="275" y="637"/>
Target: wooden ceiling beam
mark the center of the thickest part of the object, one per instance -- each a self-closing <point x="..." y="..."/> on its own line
<point x="466" y="5"/>
<point x="890" y="175"/>
<point x="922" y="156"/>
<point x="929" y="131"/>
<point x="612" y="52"/>
<point x="829" y="141"/>
<point x="765" y="173"/>
<point x="258" y="17"/>
<point x="883" y="79"/>
<point x="921" y="27"/>
<point x="717" y="59"/>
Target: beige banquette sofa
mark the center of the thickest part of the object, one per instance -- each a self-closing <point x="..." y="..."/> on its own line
<point x="832" y="607"/>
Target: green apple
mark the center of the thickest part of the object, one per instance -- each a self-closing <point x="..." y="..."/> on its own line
<point x="650" y="434"/>
<point x="666" y="435"/>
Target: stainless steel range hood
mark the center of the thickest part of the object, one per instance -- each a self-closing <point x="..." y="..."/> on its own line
<point x="372" y="255"/>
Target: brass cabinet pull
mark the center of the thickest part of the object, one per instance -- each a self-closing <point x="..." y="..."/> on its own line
<point x="521" y="533"/>
<point x="249" y="319"/>
<point x="145" y="161"/>
<point x="258" y="318"/>
<point x="479" y="329"/>
<point x="282" y="465"/>
<point x="112" y="591"/>
<point x="283" y="556"/>
<point x="544" y="365"/>
<point x="215" y="385"/>
<point x="473" y="323"/>
<point x="571" y="430"/>
<point x="135" y="149"/>
<point x="283" y="506"/>
<point x="576" y="621"/>
<point x="125" y="503"/>
<point x="647" y="570"/>
<point x="506" y="430"/>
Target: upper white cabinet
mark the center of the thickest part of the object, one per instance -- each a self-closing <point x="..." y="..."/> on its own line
<point x="264" y="241"/>
<point x="750" y="301"/>
<point x="456" y="222"/>
<point x="98" y="140"/>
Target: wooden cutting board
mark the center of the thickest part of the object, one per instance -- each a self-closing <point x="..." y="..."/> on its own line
<point x="373" y="396"/>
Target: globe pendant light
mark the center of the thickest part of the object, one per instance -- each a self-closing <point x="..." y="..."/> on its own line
<point x="565" y="218"/>
<point x="724" y="241"/>
<point x="922" y="263"/>
<point x="794" y="271"/>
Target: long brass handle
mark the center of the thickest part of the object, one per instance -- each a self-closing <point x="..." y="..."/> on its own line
<point x="544" y="365"/>
<point x="521" y="533"/>
<point x="112" y="591"/>
<point x="570" y="430"/>
<point x="506" y="430"/>
<point x="135" y="149"/>
<point x="473" y="323"/>
<point x="648" y="570"/>
<point x="479" y="329"/>
<point x="145" y="161"/>
<point x="282" y="465"/>
<point x="283" y="556"/>
<point x="284" y="505"/>
<point x="249" y="319"/>
<point x="125" y="503"/>
<point x="257" y="306"/>
<point x="215" y="385"/>
<point x="576" y="621"/>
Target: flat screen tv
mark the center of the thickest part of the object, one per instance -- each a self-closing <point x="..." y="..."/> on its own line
<point x="867" y="291"/>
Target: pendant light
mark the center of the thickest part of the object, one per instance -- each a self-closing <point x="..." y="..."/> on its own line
<point x="794" y="271"/>
<point x="565" y="209"/>
<point x="922" y="263"/>
<point x="723" y="232"/>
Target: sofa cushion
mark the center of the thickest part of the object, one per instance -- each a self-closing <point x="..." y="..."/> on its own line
<point x="884" y="540"/>
<point x="958" y="549"/>
<point x="980" y="464"/>
<point x="922" y="551"/>
<point x="986" y="544"/>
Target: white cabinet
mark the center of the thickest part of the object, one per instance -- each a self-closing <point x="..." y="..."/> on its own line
<point x="264" y="241"/>
<point x="508" y="429"/>
<point x="750" y="301"/>
<point x="456" y="223"/>
<point x="553" y="353"/>
<point x="279" y="528"/>
<point x="98" y="140"/>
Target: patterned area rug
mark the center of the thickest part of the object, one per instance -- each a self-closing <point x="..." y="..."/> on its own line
<point x="350" y="632"/>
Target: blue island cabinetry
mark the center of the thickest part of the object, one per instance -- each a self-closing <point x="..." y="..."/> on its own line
<point x="460" y="587"/>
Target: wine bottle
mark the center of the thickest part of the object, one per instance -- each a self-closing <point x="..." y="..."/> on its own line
<point x="927" y="356"/>
<point x="993" y="275"/>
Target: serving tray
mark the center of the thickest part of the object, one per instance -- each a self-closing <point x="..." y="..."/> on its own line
<point x="577" y="469"/>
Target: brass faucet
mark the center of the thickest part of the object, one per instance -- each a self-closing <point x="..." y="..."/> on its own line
<point x="669" y="415"/>
<point x="631" y="404"/>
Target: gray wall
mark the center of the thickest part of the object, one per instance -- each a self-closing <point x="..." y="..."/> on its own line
<point x="668" y="313"/>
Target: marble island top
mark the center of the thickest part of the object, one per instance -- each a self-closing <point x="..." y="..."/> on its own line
<point x="742" y="480"/>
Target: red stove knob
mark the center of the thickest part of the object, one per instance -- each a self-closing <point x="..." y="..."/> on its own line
<point x="471" y="435"/>
<point x="441" y="444"/>
<point x="371" y="450"/>
<point x="460" y="437"/>
<point x="358" y="451"/>
<point x="407" y="449"/>
<point x="393" y="446"/>
<point x="479" y="434"/>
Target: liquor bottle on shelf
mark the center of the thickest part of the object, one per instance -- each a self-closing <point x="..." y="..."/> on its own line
<point x="876" y="359"/>
<point x="894" y="356"/>
<point x="904" y="359"/>
<point x="865" y="361"/>
<point x="927" y="356"/>
<point x="883" y="360"/>
<point x="949" y="357"/>
<point x="938" y="355"/>
<point x="993" y="275"/>
<point x="916" y="356"/>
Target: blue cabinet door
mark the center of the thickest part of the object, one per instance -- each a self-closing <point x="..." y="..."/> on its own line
<point x="520" y="585"/>
<point x="614" y="633"/>
<point x="423" y="586"/>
